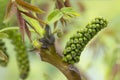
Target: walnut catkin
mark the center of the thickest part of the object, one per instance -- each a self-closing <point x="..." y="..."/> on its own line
<point x="78" y="41"/>
<point x="21" y="54"/>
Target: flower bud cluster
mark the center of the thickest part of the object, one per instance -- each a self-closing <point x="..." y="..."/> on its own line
<point x="21" y="54"/>
<point x="78" y="41"/>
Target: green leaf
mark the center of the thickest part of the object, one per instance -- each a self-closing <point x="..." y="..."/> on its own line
<point x="32" y="16"/>
<point x="54" y="16"/>
<point x="3" y="35"/>
<point x="34" y="24"/>
<point x="69" y="11"/>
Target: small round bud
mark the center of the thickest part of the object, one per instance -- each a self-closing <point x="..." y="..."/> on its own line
<point x="73" y="46"/>
<point x="76" y="41"/>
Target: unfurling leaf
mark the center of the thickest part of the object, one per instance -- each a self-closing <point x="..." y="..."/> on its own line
<point x="54" y="16"/>
<point x="29" y="6"/>
<point x="55" y="24"/>
<point x="21" y="23"/>
<point x="34" y="24"/>
<point x="63" y="14"/>
<point x="63" y="21"/>
<point x="69" y="11"/>
<point x="27" y="31"/>
<point x="31" y="16"/>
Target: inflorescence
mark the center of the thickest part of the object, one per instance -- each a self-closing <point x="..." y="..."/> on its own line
<point x="77" y="42"/>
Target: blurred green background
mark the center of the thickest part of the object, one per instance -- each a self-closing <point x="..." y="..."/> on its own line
<point x="100" y="60"/>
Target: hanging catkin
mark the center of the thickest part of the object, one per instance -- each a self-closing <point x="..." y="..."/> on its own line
<point x="77" y="42"/>
<point x="21" y="54"/>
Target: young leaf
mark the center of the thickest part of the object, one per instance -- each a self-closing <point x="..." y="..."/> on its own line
<point x="21" y="23"/>
<point x="55" y="24"/>
<point x="27" y="31"/>
<point x="29" y="6"/>
<point x="10" y="11"/>
<point x="63" y="21"/>
<point x="31" y="16"/>
<point x="34" y="24"/>
<point x="54" y="16"/>
<point x="69" y="11"/>
<point x="67" y="17"/>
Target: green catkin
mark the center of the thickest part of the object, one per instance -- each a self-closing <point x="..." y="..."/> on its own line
<point x="3" y="49"/>
<point x="77" y="42"/>
<point x="21" y="54"/>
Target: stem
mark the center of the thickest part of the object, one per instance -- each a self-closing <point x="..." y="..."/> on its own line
<point x="50" y="56"/>
<point x="12" y="28"/>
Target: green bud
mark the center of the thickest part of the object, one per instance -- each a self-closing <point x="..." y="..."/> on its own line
<point x="68" y="57"/>
<point x="71" y="40"/>
<point x="76" y="40"/>
<point x="73" y="46"/>
<point x="76" y="58"/>
<point x="71" y="62"/>
<point x="80" y="40"/>
<point x="73" y="53"/>
<point x="88" y="36"/>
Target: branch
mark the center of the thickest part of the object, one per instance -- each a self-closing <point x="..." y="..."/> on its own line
<point x="50" y="56"/>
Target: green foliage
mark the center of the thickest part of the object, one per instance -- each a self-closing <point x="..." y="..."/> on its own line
<point x="35" y="25"/>
<point x="77" y="42"/>
<point x="54" y="16"/>
<point x="65" y="13"/>
<point x="68" y="13"/>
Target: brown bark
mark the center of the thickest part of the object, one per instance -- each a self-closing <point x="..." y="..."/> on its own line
<point x="50" y="56"/>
